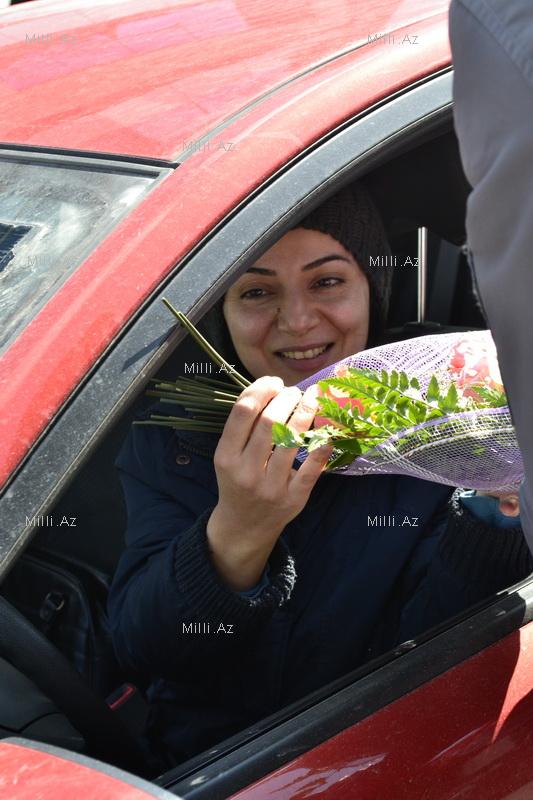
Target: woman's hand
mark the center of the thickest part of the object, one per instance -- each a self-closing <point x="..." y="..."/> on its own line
<point x="509" y="502"/>
<point x="259" y="490"/>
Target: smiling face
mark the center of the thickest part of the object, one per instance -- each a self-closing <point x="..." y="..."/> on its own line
<point x="302" y="306"/>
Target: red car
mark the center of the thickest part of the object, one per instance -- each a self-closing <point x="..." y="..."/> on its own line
<point x="155" y="149"/>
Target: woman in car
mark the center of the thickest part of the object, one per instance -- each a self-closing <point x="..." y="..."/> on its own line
<point x="249" y="581"/>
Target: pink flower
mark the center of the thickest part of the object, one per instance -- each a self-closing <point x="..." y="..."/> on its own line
<point x="340" y="397"/>
<point x="474" y="361"/>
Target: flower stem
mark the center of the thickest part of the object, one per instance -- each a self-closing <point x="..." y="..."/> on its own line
<point x="240" y="380"/>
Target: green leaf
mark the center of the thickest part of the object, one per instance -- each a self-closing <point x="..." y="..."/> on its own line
<point x="342" y="460"/>
<point x="352" y="446"/>
<point x="402" y="405"/>
<point x="381" y="394"/>
<point x="283" y="436"/>
<point x="404" y="381"/>
<point x="433" y="392"/>
<point x="350" y="420"/>
<point x="318" y="439"/>
<point x="449" y="403"/>
<point x="377" y="396"/>
<point x="412" y="413"/>
<point x="414" y="383"/>
<point x="493" y="397"/>
<point x="331" y="410"/>
<point x="394" y="379"/>
<point x="421" y="415"/>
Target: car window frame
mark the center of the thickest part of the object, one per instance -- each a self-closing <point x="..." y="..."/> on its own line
<point x="418" y="113"/>
<point x="198" y="280"/>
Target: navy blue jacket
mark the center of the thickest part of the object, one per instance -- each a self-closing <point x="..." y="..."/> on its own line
<point x="370" y="562"/>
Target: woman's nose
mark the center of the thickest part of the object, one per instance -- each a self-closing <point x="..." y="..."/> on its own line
<point x="296" y="316"/>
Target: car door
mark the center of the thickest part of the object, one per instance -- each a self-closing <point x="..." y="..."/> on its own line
<point x="397" y="724"/>
<point x="440" y="716"/>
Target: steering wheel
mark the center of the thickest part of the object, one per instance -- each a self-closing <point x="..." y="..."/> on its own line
<point x="28" y="650"/>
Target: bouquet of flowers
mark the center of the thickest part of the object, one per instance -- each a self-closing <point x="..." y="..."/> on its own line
<point x="432" y="407"/>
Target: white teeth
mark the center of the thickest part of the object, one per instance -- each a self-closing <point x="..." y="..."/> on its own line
<point x="298" y="354"/>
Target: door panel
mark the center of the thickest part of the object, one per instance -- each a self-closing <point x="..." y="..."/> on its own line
<point x="468" y="733"/>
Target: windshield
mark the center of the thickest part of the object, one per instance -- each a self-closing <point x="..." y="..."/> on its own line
<point x="52" y="216"/>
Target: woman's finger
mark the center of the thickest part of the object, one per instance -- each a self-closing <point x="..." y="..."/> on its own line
<point x="509" y="502"/>
<point x="510" y="505"/>
<point x="244" y="414"/>
<point x="280" y="408"/>
<point x="304" y="413"/>
<point x="306" y="476"/>
<point x="300" y="421"/>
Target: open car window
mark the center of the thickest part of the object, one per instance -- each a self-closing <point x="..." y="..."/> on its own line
<point x="52" y="216"/>
<point x="86" y="525"/>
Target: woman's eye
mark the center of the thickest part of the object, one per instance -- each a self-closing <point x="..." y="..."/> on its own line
<point x="326" y="282"/>
<point x="251" y="294"/>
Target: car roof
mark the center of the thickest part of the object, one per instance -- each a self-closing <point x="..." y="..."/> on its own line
<point x="149" y="78"/>
<point x="74" y="101"/>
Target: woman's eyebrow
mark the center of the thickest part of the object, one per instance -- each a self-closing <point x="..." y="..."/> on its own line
<point x="312" y="264"/>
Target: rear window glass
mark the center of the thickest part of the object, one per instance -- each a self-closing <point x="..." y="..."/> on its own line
<point x="52" y="216"/>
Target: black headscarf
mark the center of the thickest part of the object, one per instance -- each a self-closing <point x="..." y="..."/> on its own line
<point x="351" y="218"/>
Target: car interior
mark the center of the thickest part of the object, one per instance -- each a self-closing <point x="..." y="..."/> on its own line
<point x="61" y="581"/>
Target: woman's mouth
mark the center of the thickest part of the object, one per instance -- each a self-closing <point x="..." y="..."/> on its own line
<point x="306" y="358"/>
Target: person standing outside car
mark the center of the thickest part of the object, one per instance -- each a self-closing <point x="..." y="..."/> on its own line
<point x="250" y="580"/>
<point x="492" y="50"/>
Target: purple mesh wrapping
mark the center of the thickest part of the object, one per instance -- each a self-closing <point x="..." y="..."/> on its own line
<point x="471" y="449"/>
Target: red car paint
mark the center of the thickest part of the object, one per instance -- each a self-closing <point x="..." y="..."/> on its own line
<point x="62" y="342"/>
<point x="28" y="774"/>
<point x="149" y="79"/>
<point x="466" y="734"/>
<point x="142" y="78"/>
